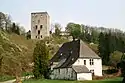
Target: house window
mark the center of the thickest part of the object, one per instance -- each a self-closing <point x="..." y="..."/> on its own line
<point x="41" y="26"/>
<point x="84" y="62"/>
<point x="36" y="26"/>
<point x="91" y="62"/>
<point x="38" y="31"/>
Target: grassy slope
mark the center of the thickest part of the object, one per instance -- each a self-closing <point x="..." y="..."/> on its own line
<point x="115" y="80"/>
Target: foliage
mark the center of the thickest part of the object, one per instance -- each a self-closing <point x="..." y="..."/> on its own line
<point x="57" y="29"/>
<point x="115" y="58"/>
<point x="113" y="80"/>
<point x="74" y="30"/>
<point x="28" y="35"/>
<point x="40" y="59"/>
<point x="13" y="59"/>
<point x="5" y="78"/>
<point x="7" y="25"/>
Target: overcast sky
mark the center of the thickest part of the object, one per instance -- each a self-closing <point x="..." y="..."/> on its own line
<point x="106" y="13"/>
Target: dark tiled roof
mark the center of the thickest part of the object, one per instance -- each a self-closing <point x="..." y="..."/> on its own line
<point x="71" y="51"/>
<point x="80" y="69"/>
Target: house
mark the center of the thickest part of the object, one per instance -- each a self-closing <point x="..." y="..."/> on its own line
<point x="75" y="61"/>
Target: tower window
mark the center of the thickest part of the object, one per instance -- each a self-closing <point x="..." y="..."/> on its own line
<point x="36" y="36"/>
<point x="41" y="26"/>
<point x="36" y="26"/>
<point x="41" y="36"/>
<point x="84" y="62"/>
<point x="38" y="31"/>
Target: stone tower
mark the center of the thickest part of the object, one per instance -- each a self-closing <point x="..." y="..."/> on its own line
<point x="40" y="24"/>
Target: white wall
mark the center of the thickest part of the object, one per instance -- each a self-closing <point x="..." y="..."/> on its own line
<point x="84" y="76"/>
<point x="97" y="67"/>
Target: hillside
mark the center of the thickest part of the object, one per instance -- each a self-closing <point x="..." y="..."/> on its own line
<point x="13" y="47"/>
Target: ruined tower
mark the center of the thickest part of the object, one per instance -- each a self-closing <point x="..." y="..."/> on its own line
<point x="40" y="24"/>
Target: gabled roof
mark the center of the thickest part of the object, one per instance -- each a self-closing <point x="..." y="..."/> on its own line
<point x="71" y="51"/>
<point x="80" y="69"/>
<point x="86" y="52"/>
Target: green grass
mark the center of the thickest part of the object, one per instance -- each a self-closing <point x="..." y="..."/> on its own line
<point x="114" y="80"/>
<point x="5" y="78"/>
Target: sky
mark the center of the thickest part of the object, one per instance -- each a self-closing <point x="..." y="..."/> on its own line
<point x="106" y="13"/>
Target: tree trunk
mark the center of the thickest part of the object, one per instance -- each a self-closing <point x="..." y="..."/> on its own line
<point x="18" y="79"/>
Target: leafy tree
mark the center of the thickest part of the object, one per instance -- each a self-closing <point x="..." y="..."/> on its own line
<point x="40" y="59"/>
<point x="74" y="30"/>
<point x="7" y="23"/>
<point x="94" y="36"/>
<point x="115" y="58"/>
<point x="22" y="30"/>
<point x="57" y="29"/>
<point x="121" y="66"/>
<point x="2" y="20"/>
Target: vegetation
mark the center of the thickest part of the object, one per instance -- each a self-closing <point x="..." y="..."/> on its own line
<point x="57" y="29"/>
<point x="115" y="58"/>
<point x="115" y="80"/>
<point x="16" y="50"/>
<point x="41" y="60"/>
<point x="74" y="30"/>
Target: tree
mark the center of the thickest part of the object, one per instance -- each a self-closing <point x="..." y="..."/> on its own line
<point x="13" y="29"/>
<point x="121" y="66"/>
<point x="7" y="23"/>
<point x="2" y="20"/>
<point x="115" y="58"/>
<point x="28" y="35"/>
<point x="57" y="29"/>
<point x="40" y="59"/>
<point x="74" y="30"/>
<point x="17" y="30"/>
<point x="101" y="47"/>
<point x="22" y="30"/>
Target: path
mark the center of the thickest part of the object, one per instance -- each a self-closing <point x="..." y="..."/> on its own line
<point x="11" y="81"/>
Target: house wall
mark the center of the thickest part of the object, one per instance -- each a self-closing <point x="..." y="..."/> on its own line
<point x="64" y="73"/>
<point x="84" y="76"/>
<point x="97" y="67"/>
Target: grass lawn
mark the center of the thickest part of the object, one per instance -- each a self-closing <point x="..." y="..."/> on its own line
<point x="114" y="80"/>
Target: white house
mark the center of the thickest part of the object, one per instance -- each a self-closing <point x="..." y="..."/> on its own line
<point x="75" y="61"/>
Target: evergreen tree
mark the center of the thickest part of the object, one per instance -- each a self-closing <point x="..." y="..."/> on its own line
<point x="13" y="29"/>
<point x="17" y="31"/>
<point x="101" y="46"/>
<point x="40" y="58"/>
